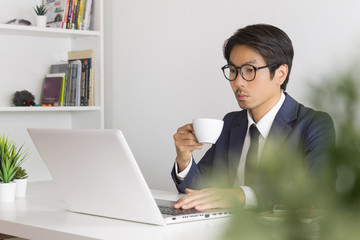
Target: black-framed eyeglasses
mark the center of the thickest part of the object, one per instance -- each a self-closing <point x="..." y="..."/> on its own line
<point x="247" y="71"/>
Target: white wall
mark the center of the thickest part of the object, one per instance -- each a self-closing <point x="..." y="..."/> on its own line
<point x="163" y="60"/>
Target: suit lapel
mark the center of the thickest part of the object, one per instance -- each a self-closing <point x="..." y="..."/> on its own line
<point x="280" y="130"/>
<point x="281" y="127"/>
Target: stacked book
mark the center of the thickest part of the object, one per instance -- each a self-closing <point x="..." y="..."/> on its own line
<point x="70" y="14"/>
<point x="71" y="83"/>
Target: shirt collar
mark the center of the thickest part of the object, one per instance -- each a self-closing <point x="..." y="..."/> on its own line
<point x="265" y="123"/>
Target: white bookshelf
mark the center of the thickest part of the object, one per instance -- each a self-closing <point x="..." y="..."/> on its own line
<point x="45" y="32"/>
<point x="50" y="109"/>
<point x="27" y="53"/>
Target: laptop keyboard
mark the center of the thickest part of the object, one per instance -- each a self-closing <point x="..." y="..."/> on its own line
<point x="175" y="212"/>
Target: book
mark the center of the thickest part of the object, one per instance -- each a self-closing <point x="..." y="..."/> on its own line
<point x="53" y="90"/>
<point x="66" y="14"/>
<point x="87" y="59"/>
<point x="81" y="13"/>
<point x="59" y="68"/>
<point x="63" y="68"/>
<point x="87" y="15"/>
<point x="75" y="91"/>
<point x="75" y="14"/>
<point x="69" y="14"/>
<point x="56" y="13"/>
<point x="69" y="85"/>
<point x="85" y="78"/>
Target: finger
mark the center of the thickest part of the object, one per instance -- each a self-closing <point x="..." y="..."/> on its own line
<point x="187" y="128"/>
<point x="187" y="142"/>
<point x="204" y="199"/>
<point x="185" y="199"/>
<point x="185" y="136"/>
<point x="206" y="205"/>
<point x="184" y="149"/>
<point x="188" y="190"/>
<point x="213" y="199"/>
<point x="192" y="199"/>
<point x="220" y="198"/>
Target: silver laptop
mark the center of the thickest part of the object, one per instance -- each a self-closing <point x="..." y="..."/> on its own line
<point x="97" y="174"/>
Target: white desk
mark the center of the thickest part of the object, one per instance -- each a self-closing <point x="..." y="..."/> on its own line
<point x="43" y="215"/>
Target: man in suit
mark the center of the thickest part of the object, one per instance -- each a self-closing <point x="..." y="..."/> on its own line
<point x="259" y="60"/>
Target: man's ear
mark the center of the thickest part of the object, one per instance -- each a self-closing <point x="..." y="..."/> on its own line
<point x="281" y="73"/>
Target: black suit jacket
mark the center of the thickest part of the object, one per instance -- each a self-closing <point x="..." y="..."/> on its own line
<point x="305" y="131"/>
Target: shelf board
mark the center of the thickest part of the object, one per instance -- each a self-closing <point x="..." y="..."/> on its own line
<point x="49" y="109"/>
<point x="50" y="32"/>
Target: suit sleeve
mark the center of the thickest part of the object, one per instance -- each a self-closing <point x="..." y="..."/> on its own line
<point x="320" y="136"/>
<point x="195" y="178"/>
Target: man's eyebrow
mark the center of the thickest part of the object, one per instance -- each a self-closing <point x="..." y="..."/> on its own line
<point x="252" y="61"/>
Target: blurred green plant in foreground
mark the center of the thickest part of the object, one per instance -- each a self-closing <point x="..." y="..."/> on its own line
<point x="325" y="209"/>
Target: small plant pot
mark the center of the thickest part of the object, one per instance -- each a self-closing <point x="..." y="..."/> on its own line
<point x="7" y="192"/>
<point x="41" y="21"/>
<point x="21" y="185"/>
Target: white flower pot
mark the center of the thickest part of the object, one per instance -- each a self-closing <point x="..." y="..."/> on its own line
<point x="41" y="21"/>
<point x="7" y="192"/>
<point x="21" y="185"/>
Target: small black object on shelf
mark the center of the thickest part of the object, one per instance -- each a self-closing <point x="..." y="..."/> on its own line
<point x="23" y="98"/>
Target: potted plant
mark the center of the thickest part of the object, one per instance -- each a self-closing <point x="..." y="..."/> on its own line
<point x="40" y="15"/>
<point x="21" y="182"/>
<point x="10" y="159"/>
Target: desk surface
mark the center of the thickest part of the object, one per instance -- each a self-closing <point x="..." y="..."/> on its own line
<point x="43" y="215"/>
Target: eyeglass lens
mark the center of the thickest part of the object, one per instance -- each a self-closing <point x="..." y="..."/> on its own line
<point x="247" y="72"/>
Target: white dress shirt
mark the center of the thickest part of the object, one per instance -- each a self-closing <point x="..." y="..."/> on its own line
<point x="264" y="126"/>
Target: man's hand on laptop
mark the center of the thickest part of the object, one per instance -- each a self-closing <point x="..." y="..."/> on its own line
<point x="210" y="198"/>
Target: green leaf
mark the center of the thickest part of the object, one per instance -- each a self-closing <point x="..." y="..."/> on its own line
<point x="11" y="158"/>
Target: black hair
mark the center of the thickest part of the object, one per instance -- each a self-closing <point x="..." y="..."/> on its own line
<point x="273" y="44"/>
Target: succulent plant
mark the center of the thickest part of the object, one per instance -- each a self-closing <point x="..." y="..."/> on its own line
<point x="40" y="10"/>
<point x="21" y="173"/>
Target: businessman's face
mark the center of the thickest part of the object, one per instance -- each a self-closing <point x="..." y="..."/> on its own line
<point x="261" y="94"/>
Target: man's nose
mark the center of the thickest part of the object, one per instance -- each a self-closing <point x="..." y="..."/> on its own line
<point x="240" y="81"/>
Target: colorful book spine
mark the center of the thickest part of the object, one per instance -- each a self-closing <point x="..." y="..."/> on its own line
<point x="70" y="14"/>
<point x="62" y="92"/>
<point x="81" y="13"/>
<point x="88" y="75"/>
<point x="75" y="14"/>
<point x="63" y="25"/>
<point x="85" y="82"/>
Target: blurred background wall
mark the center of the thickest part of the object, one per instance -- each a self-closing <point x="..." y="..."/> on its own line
<point x="163" y="60"/>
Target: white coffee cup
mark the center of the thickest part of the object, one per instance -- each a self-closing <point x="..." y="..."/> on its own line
<point x="207" y="130"/>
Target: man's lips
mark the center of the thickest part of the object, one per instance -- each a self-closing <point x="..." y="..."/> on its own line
<point x="242" y="97"/>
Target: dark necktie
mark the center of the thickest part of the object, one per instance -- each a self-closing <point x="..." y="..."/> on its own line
<point x="252" y="156"/>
